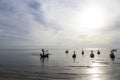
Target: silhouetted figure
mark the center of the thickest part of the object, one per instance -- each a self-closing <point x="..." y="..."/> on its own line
<point x="43" y="51"/>
<point x="74" y="55"/>
<point x="82" y="52"/>
<point x="92" y="55"/>
<point x="98" y="52"/>
<point x="112" y="56"/>
<point x="43" y="55"/>
<point x="66" y="51"/>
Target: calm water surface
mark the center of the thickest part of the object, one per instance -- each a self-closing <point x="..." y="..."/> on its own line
<point x="59" y="66"/>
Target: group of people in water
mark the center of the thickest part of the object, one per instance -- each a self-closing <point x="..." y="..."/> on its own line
<point x="45" y="53"/>
<point x="112" y="56"/>
<point x="91" y="55"/>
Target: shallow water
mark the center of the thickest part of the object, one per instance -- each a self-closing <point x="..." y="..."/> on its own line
<point x="59" y="66"/>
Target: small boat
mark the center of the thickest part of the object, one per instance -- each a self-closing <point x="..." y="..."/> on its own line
<point x="44" y="56"/>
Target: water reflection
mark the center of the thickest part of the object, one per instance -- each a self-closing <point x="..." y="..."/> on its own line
<point x="95" y="71"/>
<point x="83" y="55"/>
<point x="43" y="60"/>
<point x="74" y="59"/>
<point x="112" y="59"/>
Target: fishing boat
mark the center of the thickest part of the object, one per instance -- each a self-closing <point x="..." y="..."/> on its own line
<point x="44" y="55"/>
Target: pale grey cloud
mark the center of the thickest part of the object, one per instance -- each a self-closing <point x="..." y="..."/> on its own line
<point x="61" y="23"/>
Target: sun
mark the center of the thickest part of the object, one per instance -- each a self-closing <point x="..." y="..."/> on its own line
<point x="92" y="17"/>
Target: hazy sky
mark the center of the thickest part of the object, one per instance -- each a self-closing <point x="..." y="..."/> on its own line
<point x="60" y="23"/>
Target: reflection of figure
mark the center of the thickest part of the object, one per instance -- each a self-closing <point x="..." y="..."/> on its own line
<point x="42" y="60"/>
<point x="74" y="55"/>
<point x="43" y="51"/>
<point x="74" y="59"/>
<point x="82" y="52"/>
<point x="92" y="55"/>
<point x="98" y="52"/>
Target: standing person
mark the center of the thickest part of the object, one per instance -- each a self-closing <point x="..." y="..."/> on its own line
<point x="67" y="51"/>
<point x="112" y="56"/>
<point x="92" y="55"/>
<point x="74" y="55"/>
<point x="82" y="52"/>
<point x="43" y="51"/>
<point x="98" y="52"/>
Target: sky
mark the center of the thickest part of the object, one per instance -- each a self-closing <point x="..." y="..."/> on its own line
<point x="60" y="23"/>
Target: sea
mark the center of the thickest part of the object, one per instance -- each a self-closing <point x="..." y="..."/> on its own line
<point x="27" y="63"/>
